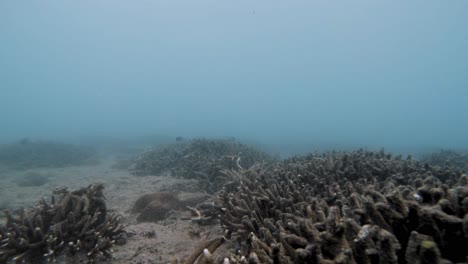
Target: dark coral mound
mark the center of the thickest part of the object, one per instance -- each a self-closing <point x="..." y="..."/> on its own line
<point x="152" y="207"/>
<point x="348" y="207"/>
<point x="34" y="154"/>
<point x="447" y="158"/>
<point x="72" y="222"/>
<point x="203" y="159"/>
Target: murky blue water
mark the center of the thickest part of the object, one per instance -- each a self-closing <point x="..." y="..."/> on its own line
<point x="293" y="75"/>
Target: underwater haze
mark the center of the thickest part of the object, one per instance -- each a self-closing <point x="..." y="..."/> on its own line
<point x="292" y="75"/>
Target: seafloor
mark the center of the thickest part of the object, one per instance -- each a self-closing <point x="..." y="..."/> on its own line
<point x="232" y="203"/>
<point x="160" y="242"/>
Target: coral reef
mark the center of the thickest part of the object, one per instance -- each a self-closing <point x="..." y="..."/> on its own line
<point x="347" y="207"/>
<point x="449" y="158"/>
<point x="72" y="222"/>
<point x="203" y="159"/>
<point x="34" y="154"/>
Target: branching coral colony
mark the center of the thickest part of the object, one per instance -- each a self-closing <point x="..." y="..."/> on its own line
<point x="358" y="207"/>
<point x="202" y="159"/>
<point x="72" y="222"/>
<point x="447" y="158"/>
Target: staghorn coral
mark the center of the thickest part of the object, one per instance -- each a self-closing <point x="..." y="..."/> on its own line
<point x="346" y="207"/>
<point x="72" y="222"/>
<point x="202" y="159"/>
<point x="203" y="252"/>
<point x="447" y="158"/>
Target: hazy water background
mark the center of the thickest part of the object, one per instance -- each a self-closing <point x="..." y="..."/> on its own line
<point x="293" y="75"/>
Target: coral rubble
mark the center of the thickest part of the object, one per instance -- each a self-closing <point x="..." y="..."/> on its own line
<point x="72" y="222"/>
<point x="347" y="207"/>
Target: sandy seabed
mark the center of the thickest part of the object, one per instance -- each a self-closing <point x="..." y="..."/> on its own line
<point x="155" y="242"/>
